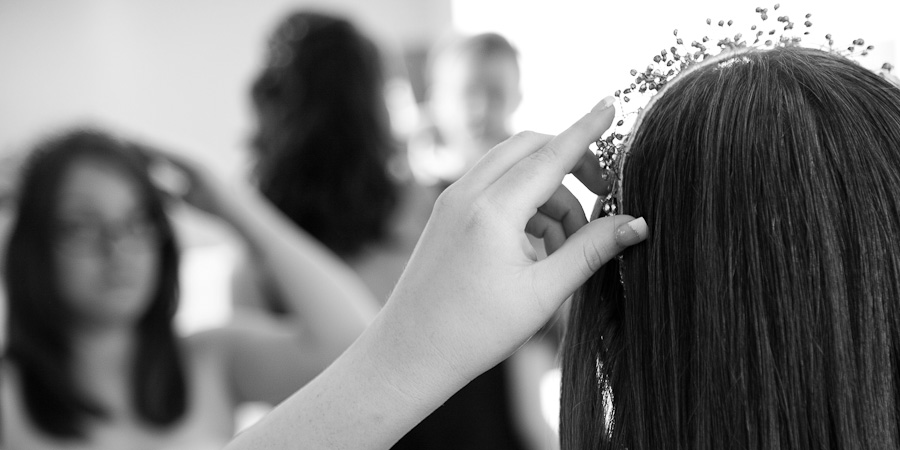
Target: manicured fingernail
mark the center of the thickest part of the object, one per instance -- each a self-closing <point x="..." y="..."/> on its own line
<point x="605" y="103"/>
<point x="632" y="232"/>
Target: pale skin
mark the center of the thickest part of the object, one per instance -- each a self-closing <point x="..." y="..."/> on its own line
<point x="224" y="366"/>
<point x="472" y="294"/>
<point x="471" y="100"/>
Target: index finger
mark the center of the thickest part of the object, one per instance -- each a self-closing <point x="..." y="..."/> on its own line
<point x="530" y="182"/>
<point x="503" y="156"/>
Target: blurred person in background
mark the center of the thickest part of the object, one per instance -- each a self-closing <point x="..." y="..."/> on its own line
<point x="473" y="89"/>
<point x="323" y="153"/>
<point x="91" y="273"/>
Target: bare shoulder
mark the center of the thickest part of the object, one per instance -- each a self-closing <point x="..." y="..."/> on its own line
<point x="207" y="342"/>
<point x="248" y="339"/>
<point x="248" y="324"/>
<point x="262" y="357"/>
<point x="206" y="352"/>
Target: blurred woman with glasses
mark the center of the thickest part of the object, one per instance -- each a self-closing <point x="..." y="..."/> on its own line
<point x="91" y="274"/>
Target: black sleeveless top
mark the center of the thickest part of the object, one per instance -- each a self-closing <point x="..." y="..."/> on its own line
<point x="477" y="417"/>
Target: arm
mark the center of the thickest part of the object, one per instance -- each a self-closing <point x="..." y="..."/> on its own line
<point x="472" y="293"/>
<point x="247" y="287"/>
<point x="330" y="305"/>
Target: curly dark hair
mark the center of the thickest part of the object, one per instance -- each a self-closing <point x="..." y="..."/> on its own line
<point x="324" y="140"/>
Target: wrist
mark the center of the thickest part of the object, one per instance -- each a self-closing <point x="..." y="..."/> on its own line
<point x="408" y="356"/>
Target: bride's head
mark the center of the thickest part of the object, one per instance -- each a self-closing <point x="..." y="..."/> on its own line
<point x="762" y="311"/>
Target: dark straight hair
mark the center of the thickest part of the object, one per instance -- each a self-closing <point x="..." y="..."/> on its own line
<point x="324" y="140"/>
<point x="40" y="322"/>
<point x="762" y="311"/>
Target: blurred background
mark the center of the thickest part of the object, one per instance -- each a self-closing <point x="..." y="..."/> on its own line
<point x="177" y="74"/>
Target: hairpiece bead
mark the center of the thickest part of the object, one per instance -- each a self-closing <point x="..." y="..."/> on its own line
<point x="610" y="148"/>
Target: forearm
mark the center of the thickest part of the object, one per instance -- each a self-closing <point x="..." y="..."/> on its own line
<point x="380" y="388"/>
<point x="330" y="302"/>
<point x="470" y="296"/>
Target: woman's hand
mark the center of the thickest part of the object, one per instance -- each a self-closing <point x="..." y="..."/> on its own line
<point x="471" y="294"/>
<point x="474" y="290"/>
<point x="191" y="182"/>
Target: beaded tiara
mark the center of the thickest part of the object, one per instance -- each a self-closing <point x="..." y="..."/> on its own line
<point x="669" y="62"/>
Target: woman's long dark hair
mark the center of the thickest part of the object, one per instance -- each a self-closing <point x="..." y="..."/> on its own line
<point x="324" y="139"/>
<point x="40" y="322"/>
<point x="762" y="311"/>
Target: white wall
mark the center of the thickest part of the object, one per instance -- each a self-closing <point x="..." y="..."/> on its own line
<point x="575" y="52"/>
<point x="174" y="71"/>
<point x="177" y="71"/>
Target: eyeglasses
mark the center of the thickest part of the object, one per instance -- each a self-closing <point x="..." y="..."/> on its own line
<point x="91" y="237"/>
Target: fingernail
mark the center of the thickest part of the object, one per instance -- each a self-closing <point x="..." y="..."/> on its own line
<point x="632" y="232"/>
<point x="605" y="103"/>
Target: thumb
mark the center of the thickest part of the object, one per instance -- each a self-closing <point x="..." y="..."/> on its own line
<point x="584" y="253"/>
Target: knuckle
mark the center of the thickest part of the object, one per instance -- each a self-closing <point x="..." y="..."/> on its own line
<point x="468" y="212"/>
<point x="594" y="256"/>
<point x="481" y="211"/>
<point x="450" y="198"/>
<point x="525" y="135"/>
<point x="546" y="155"/>
<point x="472" y="211"/>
